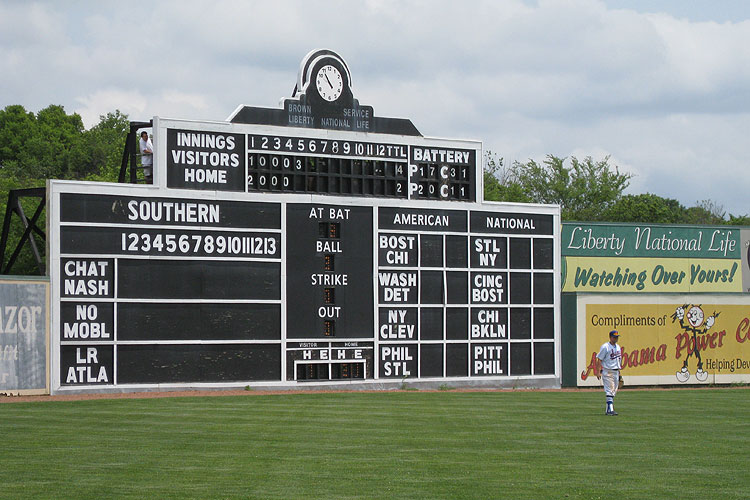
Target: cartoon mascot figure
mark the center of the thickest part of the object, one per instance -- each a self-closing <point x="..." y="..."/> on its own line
<point x="696" y="326"/>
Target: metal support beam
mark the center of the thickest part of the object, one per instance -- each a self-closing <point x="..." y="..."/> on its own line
<point x="129" y="154"/>
<point x="30" y="225"/>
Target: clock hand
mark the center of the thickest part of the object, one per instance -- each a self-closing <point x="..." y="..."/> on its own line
<point x="329" y="81"/>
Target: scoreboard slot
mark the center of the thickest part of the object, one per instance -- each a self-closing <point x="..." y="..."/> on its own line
<point x="268" y="172"/>
<point x="313" y="371"/>
<point x="330" y="371"/>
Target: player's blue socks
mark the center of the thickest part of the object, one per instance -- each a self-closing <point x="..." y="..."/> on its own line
<point x="611" y="405"/>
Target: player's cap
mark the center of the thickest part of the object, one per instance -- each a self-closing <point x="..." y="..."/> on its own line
<point x="614" y="333"/>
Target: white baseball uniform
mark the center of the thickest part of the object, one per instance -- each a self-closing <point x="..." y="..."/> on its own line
<point x="611" y="357"/>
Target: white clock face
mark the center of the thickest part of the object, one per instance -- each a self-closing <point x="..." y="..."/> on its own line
<point x="329" y="83"/>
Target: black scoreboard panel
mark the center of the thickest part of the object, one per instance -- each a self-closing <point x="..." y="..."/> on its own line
<point x="329" y="267"/>
<point x="220" y="290"/>
<point x="161" y="290"/>
<point x="455" y="293"/>
<point x="337" y="163"/>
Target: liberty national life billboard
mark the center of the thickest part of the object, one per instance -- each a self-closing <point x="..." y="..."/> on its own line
<point x="651" y="258"/>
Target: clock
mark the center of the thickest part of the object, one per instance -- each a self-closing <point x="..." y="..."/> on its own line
<point x="329" y="83"/>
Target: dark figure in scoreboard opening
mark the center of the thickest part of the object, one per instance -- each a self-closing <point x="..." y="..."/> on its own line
<point x="610" y="356"/>
<point x="147" y="157"/>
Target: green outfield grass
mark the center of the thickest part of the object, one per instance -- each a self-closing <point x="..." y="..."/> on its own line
<point x="682" y="444"/>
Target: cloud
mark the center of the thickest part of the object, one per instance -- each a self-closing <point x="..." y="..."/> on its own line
<point x="664" y="95"/>
<point x="130" y="102"/>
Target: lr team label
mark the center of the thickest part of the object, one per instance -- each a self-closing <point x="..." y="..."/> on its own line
<point x="86" y="364"/>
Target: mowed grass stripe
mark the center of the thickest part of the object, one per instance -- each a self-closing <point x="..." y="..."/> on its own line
<point x="664" y="444"/>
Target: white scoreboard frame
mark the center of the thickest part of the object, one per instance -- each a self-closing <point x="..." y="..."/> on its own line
<point x="161" y="125"/>
<point x="159" y="189"/>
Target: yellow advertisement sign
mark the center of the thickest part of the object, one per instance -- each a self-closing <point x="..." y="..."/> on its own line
<point x="669" y="342"/>
<point x="642" y="274"/>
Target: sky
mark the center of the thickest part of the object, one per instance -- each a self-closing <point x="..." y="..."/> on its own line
<point x="662" y="87"/>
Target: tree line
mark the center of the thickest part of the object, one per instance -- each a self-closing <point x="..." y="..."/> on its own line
<point x="590" y="190"/>
<point x="52" y="144"/>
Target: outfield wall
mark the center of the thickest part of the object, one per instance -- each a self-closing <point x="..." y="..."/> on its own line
<point x="138" y="304"/>
<point x="714" y="332"/>
<point x="24" y="335"/>
<point x="677" y="294"/>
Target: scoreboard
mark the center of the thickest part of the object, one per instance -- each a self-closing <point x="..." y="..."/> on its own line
<point x="207" y="158"/>
<point x="156" y="288"/>
<point x="288" y="247"/>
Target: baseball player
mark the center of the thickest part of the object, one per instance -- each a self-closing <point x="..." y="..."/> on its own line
<point x="610" y="356"/>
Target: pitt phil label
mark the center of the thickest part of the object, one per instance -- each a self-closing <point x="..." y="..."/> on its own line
<point x="205" y="160"/>
<point x="489" y="359"/>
